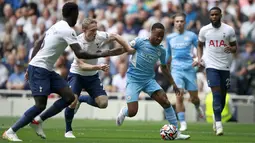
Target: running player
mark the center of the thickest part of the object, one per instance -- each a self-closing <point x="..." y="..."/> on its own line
<point x="84" y="73"/>
<point x="43" y="80"/>
<point x="140" y="76"/>
<point x="219" y="40"/>
<point x="179" y="58"/>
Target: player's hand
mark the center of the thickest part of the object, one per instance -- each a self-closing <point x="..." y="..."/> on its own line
<point x="26" y="75"/>
<point x="176" y="90"/>
<point x="195" y="63"/>
<point x="228" y="49"/>
<point x="104" y="67"/>
<point x="200" y="63"/>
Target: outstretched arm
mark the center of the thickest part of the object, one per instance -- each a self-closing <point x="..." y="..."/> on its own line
<point x="82" y="54"/>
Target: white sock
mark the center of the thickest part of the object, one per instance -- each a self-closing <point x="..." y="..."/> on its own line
<point x="183" y="123"/>
<point x="10" y="131"/>
<point x="38" y="119"/>
<point x="218" y="124"/>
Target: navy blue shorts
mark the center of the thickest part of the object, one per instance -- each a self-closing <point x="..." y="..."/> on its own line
<point x="91" y="84"/>
<point x="218" y="78"/>
<point x="44" y="82"/>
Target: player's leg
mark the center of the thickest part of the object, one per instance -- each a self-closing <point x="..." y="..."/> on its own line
<point x="28" y="116"/>
<point x="132" y="95"/>
<point x="59" y="86"/>
<point x="213" y="78"/>
<point x="156" y="92"/>
<point x="191" y="86"/>
<point x="225" y="85"/>
<point x="39" y="84"/>
<point x="75" y="83"/>
<point x="180" y="109"/>
<point x="98" y="97"/>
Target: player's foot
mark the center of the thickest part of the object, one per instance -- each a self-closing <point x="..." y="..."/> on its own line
<point x="77" y="107"/>
<point x="181" y="136"/>
<point x="11" y="136"/>
<point x="219" y="129"/>
<point x="121" y="117"/>
<point x="183" y="126"/>
<point x="38" y="129"/>
<point x="200" y="112"/>
<point x="69" y="135"/>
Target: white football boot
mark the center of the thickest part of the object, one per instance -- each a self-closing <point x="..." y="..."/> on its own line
<point x="10" y="135"/>
<point x="69" y="135"/>
<point x="37" y="126"/>
<point x="181" y="136"/>
<point x="121" y="117"/>
<point x="219" y="128"/>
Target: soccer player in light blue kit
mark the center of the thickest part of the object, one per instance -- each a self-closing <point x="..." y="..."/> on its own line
<point x="140" y="76"/>
<point x="179" y="57"/>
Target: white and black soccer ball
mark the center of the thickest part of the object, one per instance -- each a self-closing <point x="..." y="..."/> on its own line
<point x="168" y="132"/>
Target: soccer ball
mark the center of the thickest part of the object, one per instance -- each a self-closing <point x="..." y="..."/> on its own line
<point x="168" y="132"/>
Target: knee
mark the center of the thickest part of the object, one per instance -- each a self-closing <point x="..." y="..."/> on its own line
<point x="132" y="113"/>
<point x="166" y="104"/>
<point x="41" y="106"/>
<point x="73" y="104"/>
<point x="103" y="104"/>
<point x="70" y="99"/>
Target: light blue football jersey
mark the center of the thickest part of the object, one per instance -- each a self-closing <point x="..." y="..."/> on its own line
<point x="180" y="47"/>
<point x="142" y="62"/>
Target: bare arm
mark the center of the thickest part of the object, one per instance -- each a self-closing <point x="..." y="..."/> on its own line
<point x="200" y="51"/>
<point x="37" y="46"/>
<point x="82" y="54"/>
<point x="231" y="48"/>
<point x="89" y="67"/>
<point x="168" y="64"/>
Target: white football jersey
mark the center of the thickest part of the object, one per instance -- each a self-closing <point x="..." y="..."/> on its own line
<point x="216" y="40"/>
<point x="56" y="40"/>
<point x="92" y="47"/>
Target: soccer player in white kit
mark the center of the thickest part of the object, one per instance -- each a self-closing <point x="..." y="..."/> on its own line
<point x="43" y="80"/>
<point x="84" y="73"/>
<point x="220" y="43"/>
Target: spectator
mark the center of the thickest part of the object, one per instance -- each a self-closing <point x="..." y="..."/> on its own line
<point x="17" y="79"/>
<point x="119" y="80"/>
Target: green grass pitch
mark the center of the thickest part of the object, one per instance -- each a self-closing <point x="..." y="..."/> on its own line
<point x="100" y="131"/>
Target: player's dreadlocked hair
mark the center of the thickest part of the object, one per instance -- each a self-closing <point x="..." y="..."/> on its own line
<point x="157" y="25"/>
<point x="68" y="7"/>
<point x="215" y="8"/>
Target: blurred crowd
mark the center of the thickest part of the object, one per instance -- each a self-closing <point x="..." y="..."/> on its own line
<point x="24" y="21"/>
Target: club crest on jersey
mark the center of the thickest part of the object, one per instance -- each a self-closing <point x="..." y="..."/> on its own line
<point x="217" y="43"/>
<point x="132" y="43"/>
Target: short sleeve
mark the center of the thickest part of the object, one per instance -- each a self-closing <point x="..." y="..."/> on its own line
<point x="232" y="36"/>
<point x="201" y="36"/>
<point x="70" y="37"/>
<point x="168" y="49"/>
<point x="195" y="40"/>
<point x="135" y="43"/>
<point x="162" y="57"/>
<point x="103" y="35"/>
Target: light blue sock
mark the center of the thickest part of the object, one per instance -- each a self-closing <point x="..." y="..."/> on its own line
<point x="181" y="116"/>
<point x="125" y="110"/>
<point x="170" y="116"/>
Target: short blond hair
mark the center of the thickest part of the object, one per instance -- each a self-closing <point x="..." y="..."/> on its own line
<point x="87" y="21"/>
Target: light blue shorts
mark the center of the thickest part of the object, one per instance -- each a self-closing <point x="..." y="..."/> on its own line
<point x="185" y="79"/>
<point x="133" y="89"/>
